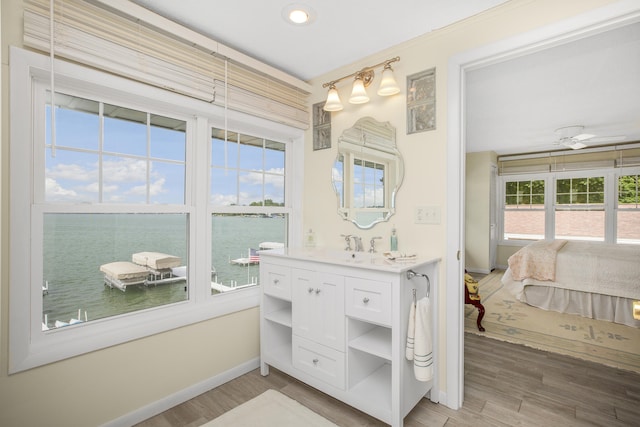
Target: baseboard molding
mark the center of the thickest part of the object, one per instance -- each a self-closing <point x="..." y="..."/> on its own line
<point x="479" y="270"/>
<point x="172" y="400"/>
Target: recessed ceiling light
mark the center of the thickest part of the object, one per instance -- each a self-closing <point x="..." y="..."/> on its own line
<point x="298" y="14"/>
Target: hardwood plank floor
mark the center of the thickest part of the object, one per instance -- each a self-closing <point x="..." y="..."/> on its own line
<point x="505" y="385"/>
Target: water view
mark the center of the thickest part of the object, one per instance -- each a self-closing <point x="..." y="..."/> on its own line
<point x="76" y="245"/>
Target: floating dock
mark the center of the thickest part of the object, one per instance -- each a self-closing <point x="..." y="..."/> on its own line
<point x="144" y="269"/>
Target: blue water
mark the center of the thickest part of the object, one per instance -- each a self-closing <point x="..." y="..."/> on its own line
<point x="76" y="245"/>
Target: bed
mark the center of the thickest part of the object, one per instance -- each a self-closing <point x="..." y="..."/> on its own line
<point x="592" y="279"/>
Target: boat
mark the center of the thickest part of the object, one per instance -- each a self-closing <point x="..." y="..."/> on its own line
<point x="144" y="269"/>
<point x="60" y="323"/>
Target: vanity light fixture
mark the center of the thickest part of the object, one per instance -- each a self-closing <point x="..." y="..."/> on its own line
<point x="362" y="79"/>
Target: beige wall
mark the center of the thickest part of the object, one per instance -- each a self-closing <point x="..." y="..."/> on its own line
<point x="94" y="388"/>
<point x="424" y="153"/>
<point x="478" y="209"/>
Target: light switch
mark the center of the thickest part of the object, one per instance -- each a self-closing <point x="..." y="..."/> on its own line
<point x="427" y="215"/>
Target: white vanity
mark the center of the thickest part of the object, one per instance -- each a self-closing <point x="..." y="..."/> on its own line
<point x="338" y="322"/>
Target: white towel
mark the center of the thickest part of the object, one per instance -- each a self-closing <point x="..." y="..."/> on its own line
<point x="423" y="345"/>
<point x="411" y="331"/>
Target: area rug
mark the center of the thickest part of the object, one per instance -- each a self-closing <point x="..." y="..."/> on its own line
<point x="510" y="320"/>
<point x="270" y="409"/>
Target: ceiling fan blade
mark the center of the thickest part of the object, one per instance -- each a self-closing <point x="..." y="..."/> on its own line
<point x="574" y="145"/>
<point x="616" y="138"/>
<point x="577" y="145"/>
<point x="582" y="137"/>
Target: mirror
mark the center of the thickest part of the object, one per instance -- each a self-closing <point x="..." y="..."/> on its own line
<point x="367" y="172"/>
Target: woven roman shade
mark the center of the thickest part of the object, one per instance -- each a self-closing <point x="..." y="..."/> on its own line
<point x="89" y="34"/>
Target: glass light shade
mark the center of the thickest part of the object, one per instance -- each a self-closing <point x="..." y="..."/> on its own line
<point x="333" y="101"/>
<point x="388" y="85"/>
<point x="358" y="94"/>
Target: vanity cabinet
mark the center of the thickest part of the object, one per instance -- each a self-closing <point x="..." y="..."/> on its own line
<point x="341" y="327"/>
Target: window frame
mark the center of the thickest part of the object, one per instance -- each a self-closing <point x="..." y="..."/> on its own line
<point x="29" y="346"/>
<point x="610" y="198"/>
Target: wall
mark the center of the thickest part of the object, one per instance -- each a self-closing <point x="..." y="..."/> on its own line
<point x="425" y="153"/>
<point x="94" y="388"/>
<point x="478" y="208"/>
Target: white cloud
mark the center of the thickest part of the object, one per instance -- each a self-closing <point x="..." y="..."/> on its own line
<point x="54" y="191"/>
<point x="125" y="170"/>
<point x="73" y="172"/>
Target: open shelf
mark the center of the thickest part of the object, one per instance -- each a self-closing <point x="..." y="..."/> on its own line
<point x="377" y="342"/>
<point x="282" y="317"/>
<point x="374" y="391"/>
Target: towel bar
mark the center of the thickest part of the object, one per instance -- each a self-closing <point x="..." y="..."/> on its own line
<point x="411" y="274"/>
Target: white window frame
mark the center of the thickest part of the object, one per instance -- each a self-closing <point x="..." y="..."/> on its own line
<point x="29" y="346"/>
<point x="610" y="201"/>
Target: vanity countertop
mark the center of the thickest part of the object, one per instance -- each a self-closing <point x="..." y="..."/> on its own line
<point x="366" y="260"/>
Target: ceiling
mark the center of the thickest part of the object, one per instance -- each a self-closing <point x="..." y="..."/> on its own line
<point x="342" y="32"/>
<point x="515" y="106"/>
<point x="512" y="107"/>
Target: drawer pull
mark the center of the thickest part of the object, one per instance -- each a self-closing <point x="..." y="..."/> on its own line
<point x="365" y="300"/>
<point x="318" y="291"/>
<point x="276" y="281"/>
<point x="315" y="361"/>
<point x="310" y="290"/>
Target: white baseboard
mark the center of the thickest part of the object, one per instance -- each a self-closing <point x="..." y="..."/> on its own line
<point x="172" y="400"/>
<point x="478" y="270"/>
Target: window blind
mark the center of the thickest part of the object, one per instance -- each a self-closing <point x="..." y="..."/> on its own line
<point x="91" y="35"/>
<point x="625" y="155"/>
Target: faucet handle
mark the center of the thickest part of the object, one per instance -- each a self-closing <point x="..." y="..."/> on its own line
<point x="347" y="239"/>
<point x="372" y="242"/>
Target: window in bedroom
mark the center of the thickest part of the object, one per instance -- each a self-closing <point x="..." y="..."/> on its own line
<point x="628" y="210"/>
<point x="524" y="209"/>
<point x="580" y="208"/>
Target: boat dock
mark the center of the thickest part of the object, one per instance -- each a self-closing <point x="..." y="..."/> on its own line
<point x="144" y="269"/>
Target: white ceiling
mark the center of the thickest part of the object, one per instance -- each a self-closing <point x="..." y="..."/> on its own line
<point x="512" y="107"/>
<point x="515" y="106"/>
<point x="342" y="32"/>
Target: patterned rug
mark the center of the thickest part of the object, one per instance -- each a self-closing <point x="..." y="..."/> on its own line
<point x="510" y="320"/>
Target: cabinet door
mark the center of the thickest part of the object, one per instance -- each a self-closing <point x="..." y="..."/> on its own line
<point x="318" y="307"/>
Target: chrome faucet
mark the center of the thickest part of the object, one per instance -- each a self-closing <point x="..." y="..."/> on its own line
<point x="372" y="243"/>
<point x="347" y="239"/>
<point x="358" y="242"/>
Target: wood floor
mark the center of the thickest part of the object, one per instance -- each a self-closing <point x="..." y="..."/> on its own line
<point x="505" y="385"/>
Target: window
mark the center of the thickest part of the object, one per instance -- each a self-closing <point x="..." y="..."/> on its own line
<point x="129" y="179"/>
<point x="598" y="205"/>
<point x="580" y="209"/>
<point x="105" y="154"/>
<point x="248" y="206"/>
<point x="524" y="210"/>
<point x="628" y="218"/>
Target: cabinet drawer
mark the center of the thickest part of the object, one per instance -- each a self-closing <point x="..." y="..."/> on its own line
<point x="323" y="363"/>
<point x="368" y="300"/>
<point x="276" y="281"/>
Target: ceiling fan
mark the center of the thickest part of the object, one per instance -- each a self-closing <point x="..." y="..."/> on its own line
<point x="572" y="137"/>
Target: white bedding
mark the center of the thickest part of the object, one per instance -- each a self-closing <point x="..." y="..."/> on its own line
<point x="592" y="279"/>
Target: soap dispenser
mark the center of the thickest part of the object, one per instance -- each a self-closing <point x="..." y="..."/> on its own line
<point x="394" y="239"/>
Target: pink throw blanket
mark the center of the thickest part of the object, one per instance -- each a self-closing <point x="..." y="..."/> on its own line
<point x="536" y="261"/>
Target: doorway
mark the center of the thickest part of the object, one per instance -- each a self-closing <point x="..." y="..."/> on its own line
<point x="605" y="18"/>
